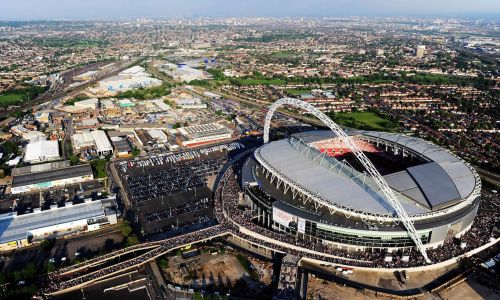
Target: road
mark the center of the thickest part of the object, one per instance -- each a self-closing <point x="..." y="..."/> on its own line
<point x="68" y="133"/>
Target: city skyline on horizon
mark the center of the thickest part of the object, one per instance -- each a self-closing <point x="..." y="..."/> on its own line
<point x="157" y="9"/>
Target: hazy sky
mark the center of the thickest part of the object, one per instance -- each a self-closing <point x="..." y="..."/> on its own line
<point x="113" y="9"/>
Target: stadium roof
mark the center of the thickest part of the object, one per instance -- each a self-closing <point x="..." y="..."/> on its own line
<point x="327" y="183"/>
<point x="448" y="167"/>
<point x="13" y="227"/>
<point x="430" y="186"/>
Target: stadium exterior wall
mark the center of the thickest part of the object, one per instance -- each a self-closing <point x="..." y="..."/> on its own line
<point x="437" y="235"/>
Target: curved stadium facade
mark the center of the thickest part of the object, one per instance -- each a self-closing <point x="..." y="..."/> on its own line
<point x="310" y="184"/>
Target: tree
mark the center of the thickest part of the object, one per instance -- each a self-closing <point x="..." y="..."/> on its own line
<point x="163" y="262"/>
<point x="30" y="271"/>
<point x="132" y="240"/>
<point x="50" y="267"/>
<point x="125" y="228"/>
<point x="47" y="244"/>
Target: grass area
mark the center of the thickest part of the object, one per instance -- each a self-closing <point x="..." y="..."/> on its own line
<point x="297" y="92"/>
<point x="199" y="296"/>
<point x="15" y="96"/>
<point x="364" y="120"/>
<point x="10" y="99"/>
<point x="284" y="54"/>
<point x="99" y="168"/>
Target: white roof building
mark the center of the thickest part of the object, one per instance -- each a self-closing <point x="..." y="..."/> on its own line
<point x="107" y="103"/>
<point x="101" y="141"/>
<point x="41" y="151"/>
<point x="87" y="104"/>
<point x="135" y="71"/>
<point x="92" y="139"/>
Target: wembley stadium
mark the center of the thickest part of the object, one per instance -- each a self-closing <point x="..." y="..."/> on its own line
<point x="361" y="190"/>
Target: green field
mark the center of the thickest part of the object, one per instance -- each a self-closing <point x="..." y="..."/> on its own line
<point x="364" y="120"/>
<point x="11" y="99"/>
<point x="284" y="54"/>
<point x="15" y="96"/>
<point x="297" y="92"/>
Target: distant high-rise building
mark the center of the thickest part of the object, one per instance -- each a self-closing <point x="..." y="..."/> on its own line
<point x="420" y="51"/>
<point x="380" y="52"/>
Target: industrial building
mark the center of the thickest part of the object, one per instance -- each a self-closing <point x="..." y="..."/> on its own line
<point x="131" y="78"/>
<point x="21" y="230"/>
<point x="95" y="141"/>
<point x="87" y="104"/>
<point x="49" y="175"/>
<point x="190" y="103"/>
<point x="198" y="135"/>
<point x="183" y="72"/>
<point x="42" y="151"/>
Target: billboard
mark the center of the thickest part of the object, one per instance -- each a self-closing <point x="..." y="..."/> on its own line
<point x="282" y="217"/>
<point x="301" y="226"/>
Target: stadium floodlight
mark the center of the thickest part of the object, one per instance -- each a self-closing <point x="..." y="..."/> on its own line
<point x="389" y="194"/>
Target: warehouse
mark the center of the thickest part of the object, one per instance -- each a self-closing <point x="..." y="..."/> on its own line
<point x="198" y="135"/>
<point x="21" y="230"/>
<point x="49" y="175"/>
<point x="97" y="140"/>
<point x="42" y="151"/>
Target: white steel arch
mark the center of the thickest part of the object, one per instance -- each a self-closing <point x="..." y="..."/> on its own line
<point x="367" y="164"/>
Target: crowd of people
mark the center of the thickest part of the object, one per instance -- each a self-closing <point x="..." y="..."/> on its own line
<point x="479" y="234"/>
<point x="57" y="281"/>
<point x="231" y="216"/>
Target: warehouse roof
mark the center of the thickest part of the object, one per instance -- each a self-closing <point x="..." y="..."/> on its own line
<point x="51" y="175"/>
<point x="13" y="227"/>
<point x="42" y="150"/>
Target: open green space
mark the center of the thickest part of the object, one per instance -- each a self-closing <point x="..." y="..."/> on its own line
<point x="10" y="99"/>
<point x="284" y="54"/>
<point x="297" y="92"/>
<point x="16" y="96"/>
<point x="366" y="120"/>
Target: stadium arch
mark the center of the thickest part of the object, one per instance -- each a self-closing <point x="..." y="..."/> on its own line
<point x="360" y="156"/>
